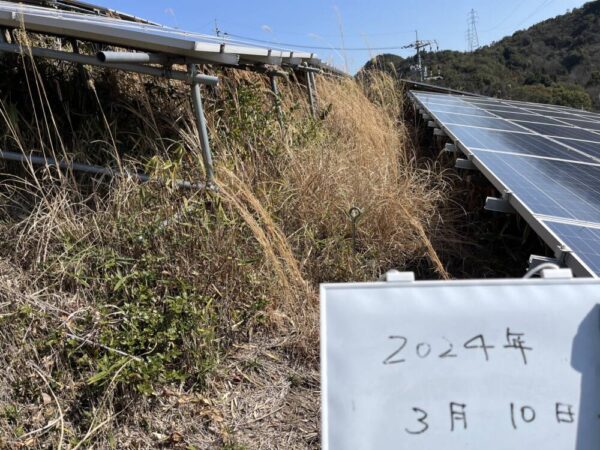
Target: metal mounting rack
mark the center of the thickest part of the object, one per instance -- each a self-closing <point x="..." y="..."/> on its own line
<point x="153" y="50"/>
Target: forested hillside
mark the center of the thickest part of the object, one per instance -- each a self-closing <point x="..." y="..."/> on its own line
<point x="556" y="61"/>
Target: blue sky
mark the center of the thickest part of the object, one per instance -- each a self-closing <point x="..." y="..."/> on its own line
<point x="365" y="23"/>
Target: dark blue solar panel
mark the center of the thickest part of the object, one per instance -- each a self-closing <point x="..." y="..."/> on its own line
<point x="589" y="148"/>
<point x="550" y="161"/>
<point x="587" y="124"/>
<point x="527" y="144"/>
<point x="499" y="107"/>
<point x="526" y="117"/>
<point x="439" y="98"/>
<point x="554" y="113"/>
<point x="549" y="187"/>
<point x="589" y="116"/>
<point x="435" y="107"/>
<point x="584" y="241"/>
<point x="482" y="122"/>
<point x="445" y="101"/>
<point x="561" y="131"/>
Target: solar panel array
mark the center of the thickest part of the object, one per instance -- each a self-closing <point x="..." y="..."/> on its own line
<point x="198" y="48"/>
<point x="83" y="7"/>
<point x="546" y="157"/>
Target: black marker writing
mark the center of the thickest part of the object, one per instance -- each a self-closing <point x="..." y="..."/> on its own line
<point x="527" y="414"/>
<point x="458" y="414"/>
<point x="448" y="353"/>
<point x="423" y="350"/>
<point x="515" y="340"/>
<point x="471" y="344"/>
<point x="390" y="359"/>
<point x="564" y="413"/>
<point x="421" y="420"/>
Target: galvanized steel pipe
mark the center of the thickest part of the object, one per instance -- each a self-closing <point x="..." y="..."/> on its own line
<point x="86" y="168"/>
<point x="134" y="58"/>
<point x="311" y="97"/>
<point x="275" y="90"/>
<point x="202" y="127"/>
<point x="93" y="61"/>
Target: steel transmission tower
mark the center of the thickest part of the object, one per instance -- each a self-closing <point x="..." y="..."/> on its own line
<point x="472" y="35"/>
<point x="419" y="45"/>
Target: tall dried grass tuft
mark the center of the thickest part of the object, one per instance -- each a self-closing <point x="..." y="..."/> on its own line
<point x="361" y="159"/>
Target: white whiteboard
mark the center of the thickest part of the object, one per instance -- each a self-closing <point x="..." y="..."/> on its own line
<point x="403" y="365"/>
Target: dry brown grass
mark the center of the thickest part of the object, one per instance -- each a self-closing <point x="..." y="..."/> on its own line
<point x="83" y="260"/>
<point x="361" y="160"/>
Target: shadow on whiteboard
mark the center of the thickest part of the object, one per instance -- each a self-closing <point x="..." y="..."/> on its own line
<point x="585" y="358"/>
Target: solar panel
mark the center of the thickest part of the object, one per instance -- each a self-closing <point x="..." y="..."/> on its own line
<point x="583" y="240"/>
<point x="452" y="108"/>
<point x="524" y="116"/>
<point x="519" y="143"/>
<point x="83" y="7"/>
<point x="587" y="124"/>
<point x="196" y="47"/>
<point x="476" y="121"/>
<point x="546" y="158"/>
<point x="549" y="187"/>
<point x="589" y="148"/>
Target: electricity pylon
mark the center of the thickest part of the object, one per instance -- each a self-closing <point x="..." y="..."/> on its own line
<point x="472" y="35"/>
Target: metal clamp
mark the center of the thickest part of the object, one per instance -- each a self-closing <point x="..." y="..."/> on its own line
<point x="395" y="276"/>
<point x="465" y="164"/>
<point x="550" y="271"/>
<point x="501" y="205"/>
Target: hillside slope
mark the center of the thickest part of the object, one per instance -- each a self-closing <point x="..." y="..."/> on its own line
<point x="556" y="61"/>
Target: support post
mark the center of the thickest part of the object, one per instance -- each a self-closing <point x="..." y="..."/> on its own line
<point x="202" y="128"/>
<point x="313" y="80"/>
<point x="311" y="97"/>
<point x="2" y="38"/>
<point x="83" y="72"/>
<point x="275" y="90"/>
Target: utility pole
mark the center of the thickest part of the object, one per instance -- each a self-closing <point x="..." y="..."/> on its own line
<point x="472" y="35"/>
<point x="418" y="45"/>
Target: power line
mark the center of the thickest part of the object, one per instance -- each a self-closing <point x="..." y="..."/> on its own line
<point x="545" y="3"/>
<point x="502" y="22"/>
<point x="245" y="26"/>
<point x="314" y="47"/>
